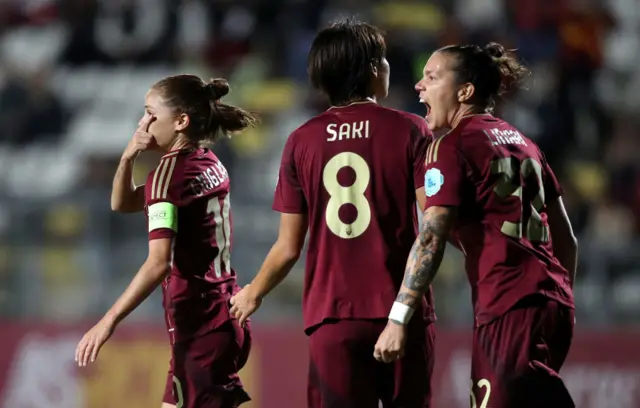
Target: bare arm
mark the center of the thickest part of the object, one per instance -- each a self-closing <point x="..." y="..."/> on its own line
<point x="426" y="255"/>
<point x="276" y="266"/>
<point x="565" y="244"/>
<point x="423" y="263"/>
<point x="421" y="198"/>
<point x="125" y="196"/>
<point x="282" y="256"/>
<point x="150" y="275"/>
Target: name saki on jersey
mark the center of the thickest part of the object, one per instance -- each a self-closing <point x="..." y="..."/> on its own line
<point x="209" y="179"/>
<point x="346" y="131"/>
<point x="507" y="136"/>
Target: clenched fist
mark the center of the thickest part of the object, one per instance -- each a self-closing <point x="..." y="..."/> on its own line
<point x="390" y="344"/>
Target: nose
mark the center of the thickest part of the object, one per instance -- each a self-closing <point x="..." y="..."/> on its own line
<point x="418" y="87"/>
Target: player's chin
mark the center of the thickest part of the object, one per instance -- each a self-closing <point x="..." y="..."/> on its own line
<point x="431" y="124"/>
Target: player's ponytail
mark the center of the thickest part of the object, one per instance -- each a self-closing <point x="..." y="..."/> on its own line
<point x="512" y="72"/>
<point x="492" y="70"/>
<point x="209" y="118"/>
<point x="225" y="119"/>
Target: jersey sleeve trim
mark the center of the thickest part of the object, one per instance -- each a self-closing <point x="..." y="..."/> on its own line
<point x="163" y="215"/>
<point x="444" y="179"/>
<point x="283" y="209"/>
<point x="162" y="178"/>
<point x="432" y="151"/>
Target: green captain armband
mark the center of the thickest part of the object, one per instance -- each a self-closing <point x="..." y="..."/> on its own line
<point x="163" y="215"/>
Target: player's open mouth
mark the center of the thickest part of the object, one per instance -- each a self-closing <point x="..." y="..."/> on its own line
<point x="422" y="101"/>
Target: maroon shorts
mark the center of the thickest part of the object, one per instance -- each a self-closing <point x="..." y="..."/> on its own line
<point x="344" y="374"/>
<point x="516" y="357"/>
<point x="204" y="370"/>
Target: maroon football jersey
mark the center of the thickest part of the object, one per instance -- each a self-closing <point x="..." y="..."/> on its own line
<point x="187" y="199"/>
<point x="355" y="170"/>
<point x="500" y="182"/>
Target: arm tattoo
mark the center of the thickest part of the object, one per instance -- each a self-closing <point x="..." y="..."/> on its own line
<point x="425" y="256"/>
<point x="405" y="297"/>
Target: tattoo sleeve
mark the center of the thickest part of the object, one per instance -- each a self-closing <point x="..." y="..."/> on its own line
<point x="426" y="255"/>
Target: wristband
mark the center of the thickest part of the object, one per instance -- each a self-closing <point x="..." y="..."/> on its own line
<point x="400" y="313"/>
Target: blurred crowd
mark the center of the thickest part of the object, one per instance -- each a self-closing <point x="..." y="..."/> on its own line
<point x="73" y="74"/>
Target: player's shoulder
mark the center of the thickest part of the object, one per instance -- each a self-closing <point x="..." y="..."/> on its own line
<point x="164" y="175"/>
<point x="183" y="169"/>
<point x="316" y="124"/>
<point x="170" y="164"/>
<point x="478" y="135"/>
<point x="480" y="139"/>
<point x="179" y="163"/>
<point x="200" y="163"/>
<point x="469" y="141"/>
<point x="477" y="125"/>
<point x="488" y="128"/>
<point x="398" y="119"/>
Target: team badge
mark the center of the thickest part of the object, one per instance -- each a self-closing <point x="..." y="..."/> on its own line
<point x="433" y="181"/>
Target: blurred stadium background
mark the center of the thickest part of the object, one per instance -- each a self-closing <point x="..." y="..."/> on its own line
<point x="73" y="74"/>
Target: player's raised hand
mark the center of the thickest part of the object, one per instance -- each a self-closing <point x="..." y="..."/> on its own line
<point x="142" y="140"/>
<point x="91" y="343"/>
<point x="390" y="344"/>
<point x="244" y="304"/>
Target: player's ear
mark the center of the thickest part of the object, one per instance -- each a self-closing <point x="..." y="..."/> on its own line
<point x="374" y="68"/>
<point x="181" y="122"/>
<point x="465" y="93"/>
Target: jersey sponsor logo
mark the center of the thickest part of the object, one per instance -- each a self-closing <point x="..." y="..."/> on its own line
<point x="433" y="181"/>
<point x="163" y="215"/>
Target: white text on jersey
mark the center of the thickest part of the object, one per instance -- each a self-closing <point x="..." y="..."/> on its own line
<point x="209" y="179"/>
<point x="346" y="131"/>
<point x="501" y="137"/>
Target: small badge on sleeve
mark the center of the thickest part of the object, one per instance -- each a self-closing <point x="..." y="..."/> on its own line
<point x="433" y="181"/>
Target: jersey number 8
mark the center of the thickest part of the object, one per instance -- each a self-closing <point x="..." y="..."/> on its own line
<point x="353" y="194"/>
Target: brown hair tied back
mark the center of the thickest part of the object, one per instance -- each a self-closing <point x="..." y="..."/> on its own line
<point x="492" y="70"/>
<point x="217" y="88"/>
<point x="209" y="118"/>
<point x="512" y="72"/>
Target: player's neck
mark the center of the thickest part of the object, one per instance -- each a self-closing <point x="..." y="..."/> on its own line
<point x="359" y="101"/>
<point x="180" y="144"/>
<point x="465" y="112"/>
